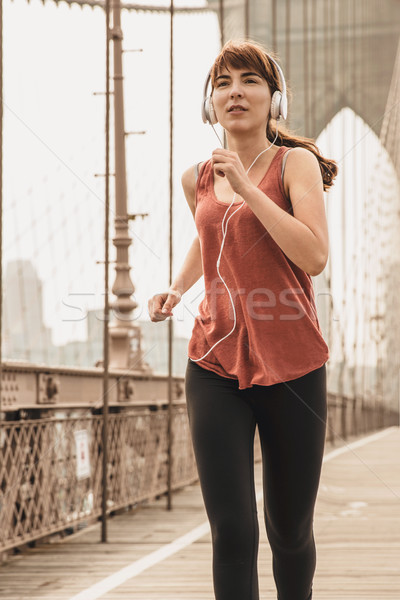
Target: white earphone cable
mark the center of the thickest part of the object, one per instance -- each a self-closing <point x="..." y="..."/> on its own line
<point x="219" y="139"/>
<point x="224" y="231"/>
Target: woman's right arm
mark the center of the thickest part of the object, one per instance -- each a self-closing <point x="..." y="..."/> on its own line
<point x="161" y="305"/>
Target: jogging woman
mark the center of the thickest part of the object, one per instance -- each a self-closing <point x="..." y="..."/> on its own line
<point x="256" y="355"/>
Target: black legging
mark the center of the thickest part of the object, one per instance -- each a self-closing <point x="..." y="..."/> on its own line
<point x="291" y="419"/>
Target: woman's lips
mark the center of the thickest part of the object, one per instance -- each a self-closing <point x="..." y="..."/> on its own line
<point x="237" y="108"/>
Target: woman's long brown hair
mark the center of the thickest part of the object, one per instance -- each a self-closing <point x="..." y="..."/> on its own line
<point x="250" y="54"/>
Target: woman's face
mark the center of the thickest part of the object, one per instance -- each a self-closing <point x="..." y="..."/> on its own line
<point x="241" y="100"/>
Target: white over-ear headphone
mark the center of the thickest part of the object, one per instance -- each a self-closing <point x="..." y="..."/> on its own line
<point x="278" y="100"/>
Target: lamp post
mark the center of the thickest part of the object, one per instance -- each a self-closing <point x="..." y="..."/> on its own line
<point x="125" y="336"/>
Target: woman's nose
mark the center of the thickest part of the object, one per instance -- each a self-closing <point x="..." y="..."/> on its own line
<point x="236" y="90"/>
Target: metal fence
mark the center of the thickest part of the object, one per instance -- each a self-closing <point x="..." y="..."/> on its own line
<point x="51" y="474"/>
<point x="356" y="415"/>
<point x="47" y="486"/>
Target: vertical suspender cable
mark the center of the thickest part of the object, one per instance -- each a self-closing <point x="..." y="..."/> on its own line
<point x="338" y="334"/>
<point x="287" y="49"/>
<point x="384" y="372"/>
<point x="361" y="109"/>
<point x="370" y="379"/>
<point x="274" y="26"/>
<point x="171" y="190"/>
<point x="356" y="229"/>
<point x="377" y="255"/>
<point x="371" y="271"/>
<point x="328" y="268"/>
<point x="1" y="198"/>
<point x="352" y="298"/>
<point x="106" y="284"/>
<point x="222" y="41"/>
<point x="305" y="69"/>
<point x="343" y="331"/>
<point x="313" y="119"/>
<point x="368" y="265"/>
<point x="221" y="22"/>
<point x="247" y="18"/>
<point x="327" y="94"/>
<point x="380" y="274"/>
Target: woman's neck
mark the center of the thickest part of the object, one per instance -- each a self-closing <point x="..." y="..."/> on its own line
<point x="248" y="147"/>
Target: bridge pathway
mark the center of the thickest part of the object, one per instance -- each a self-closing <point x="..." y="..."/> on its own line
<point x="166" y="555"/>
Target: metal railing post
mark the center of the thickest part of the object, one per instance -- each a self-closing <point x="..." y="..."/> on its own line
<point x="171" y="191"/>
<point x="106" y="285"/>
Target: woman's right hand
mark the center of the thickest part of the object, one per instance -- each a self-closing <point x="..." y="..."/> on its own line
<point x="160" y="305"/>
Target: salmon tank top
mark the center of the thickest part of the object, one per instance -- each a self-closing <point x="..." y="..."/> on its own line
<point x="277" y="335"/>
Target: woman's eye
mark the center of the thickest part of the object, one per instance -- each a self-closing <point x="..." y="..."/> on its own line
<point x="224" y="83"/>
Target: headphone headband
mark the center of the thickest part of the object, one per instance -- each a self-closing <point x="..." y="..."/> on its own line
<point x="278" y="101"/>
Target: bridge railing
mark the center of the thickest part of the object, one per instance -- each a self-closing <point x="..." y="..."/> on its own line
<point x="51" y="445"/>
<point x="355" y="415"/>
<point x="50" y="485"/>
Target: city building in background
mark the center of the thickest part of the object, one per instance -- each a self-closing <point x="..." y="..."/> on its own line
<point x="28" y="339"/>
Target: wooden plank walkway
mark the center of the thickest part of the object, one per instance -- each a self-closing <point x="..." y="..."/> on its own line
<point x="357" y="526"/>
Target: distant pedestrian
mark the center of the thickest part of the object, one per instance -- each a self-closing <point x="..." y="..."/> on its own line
<point x="256" y="355"/>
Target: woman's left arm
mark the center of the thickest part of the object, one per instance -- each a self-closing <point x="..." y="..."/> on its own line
<point x="303" y="236"/>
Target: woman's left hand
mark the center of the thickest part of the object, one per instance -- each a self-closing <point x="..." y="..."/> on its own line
<point x="228" y="164"/>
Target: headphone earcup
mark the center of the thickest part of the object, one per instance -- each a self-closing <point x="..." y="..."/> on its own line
<point x="276" y="104"/>
<point x="209" y="111"/>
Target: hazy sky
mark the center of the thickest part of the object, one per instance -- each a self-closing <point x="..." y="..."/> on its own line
<point x="54" y="144"/>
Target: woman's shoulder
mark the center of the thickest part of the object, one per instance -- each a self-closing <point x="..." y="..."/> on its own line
<point x="189" y="182"/>
<point x="301" y="159"/>
<point x="202" y="165"/>
<point x="298" y="152"/>
<point x="301" y="165"/>
<point x="297" y="158"/>
<point x="191" y="175"/>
